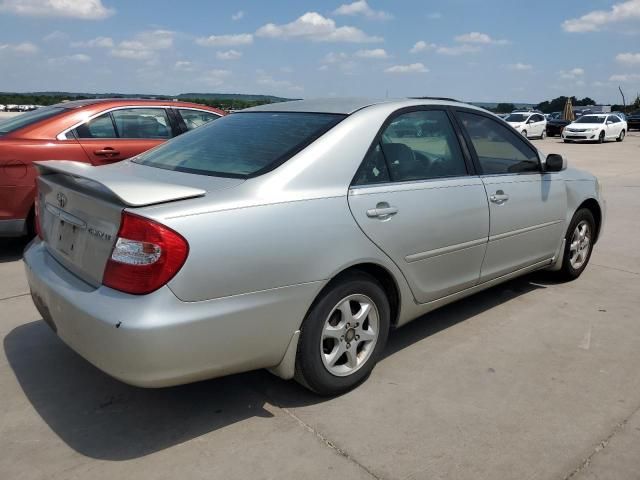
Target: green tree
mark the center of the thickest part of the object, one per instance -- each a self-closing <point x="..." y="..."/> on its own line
<point x="505" y="108"/>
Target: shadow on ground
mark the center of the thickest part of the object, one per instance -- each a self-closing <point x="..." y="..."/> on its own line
<point x="11" y="248"/>
<point x="102" y="418"/>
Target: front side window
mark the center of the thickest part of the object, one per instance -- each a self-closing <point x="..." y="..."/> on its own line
<point x="499" y="150"/>
<point x="419" y="145"/>
<point x="142" y="123"/>
<point x="98" y="127"/>
<point x="196" y="118"/>
<point x="241" y="144"/>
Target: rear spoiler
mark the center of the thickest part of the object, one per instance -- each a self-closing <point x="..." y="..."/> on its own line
<point x="123" y="181"/>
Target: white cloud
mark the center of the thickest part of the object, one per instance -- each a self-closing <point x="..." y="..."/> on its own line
<point x="422" y="46"/>
<point x="479" y="38"/>
<point x="184" y="66"/>
<point x="625" y="78"/>
<point x="377" y="53"/>
<point x="313" y="26"/>
<point x="332" y="57"/>
<point x="82" y="9"/>
<point x="571" y="74"/>
<point x="411" y="68"/>
<point x="55" y="36"/>
<point x="628" y="58"/>
<point x="599" y="19"/>
<point x="228" y="55"/>
<point x="26" y="48"/>
<point x="98" y="42"/>
<point x="76" y="58"/>
<point x="268" y="81"/>
<point x="458" y="49"/>
<point x="237" y="16"/>
<point x="143" y="46"/>
<point x="520" y="66"/>
<point x="225" y="40"/>
<point x="361" y="7"/>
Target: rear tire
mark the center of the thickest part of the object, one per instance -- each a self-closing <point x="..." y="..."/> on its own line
<point x="620" y="137"/>
<point x="578" y="245"/>
<point x="343" y="336"/>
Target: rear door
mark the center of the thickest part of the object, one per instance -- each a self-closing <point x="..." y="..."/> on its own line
<point x="527" y="206"/>
<point x="123" y="133"/>
<point x="415" y="198"/>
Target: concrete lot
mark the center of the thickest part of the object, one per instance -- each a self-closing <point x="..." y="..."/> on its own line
<point x="530" y="379"/>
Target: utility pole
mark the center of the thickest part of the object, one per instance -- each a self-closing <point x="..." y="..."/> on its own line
<point x="624" y="103"/>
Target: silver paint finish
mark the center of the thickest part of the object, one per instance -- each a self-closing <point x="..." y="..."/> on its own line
<point x="262" y="249"/>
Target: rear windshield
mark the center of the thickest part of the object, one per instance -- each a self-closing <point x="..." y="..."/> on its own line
<point x="240" y="144"/>
<point x="25" y="119"/>
<point x="590" y="119"/>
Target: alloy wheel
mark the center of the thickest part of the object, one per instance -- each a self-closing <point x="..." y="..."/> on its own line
<point x="580" y="245"/>
<point x="349" y="335"/>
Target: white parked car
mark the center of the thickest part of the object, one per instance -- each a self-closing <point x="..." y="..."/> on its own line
<point x="529" y="124"/>
<point x="2" y="108"/>
<point x="596" y="128"/>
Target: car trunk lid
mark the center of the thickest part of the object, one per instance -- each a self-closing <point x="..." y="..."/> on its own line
<point x="80" y="207"/>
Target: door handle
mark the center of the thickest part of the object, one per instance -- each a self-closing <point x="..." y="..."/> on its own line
<point x="382" y="211"/>
<point x="499" y="197"/>
<point x="106" y="152"/>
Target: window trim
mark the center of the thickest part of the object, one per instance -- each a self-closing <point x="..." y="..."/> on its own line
<point x="470" y="167"/>
<point x="472" y="149"/>
<point x="63" y="135"/>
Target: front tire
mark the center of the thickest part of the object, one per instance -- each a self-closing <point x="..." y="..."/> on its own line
<point x="343" y="336"/>
<point x="601" y="137"/>
<point x="621" y="136"/>
<point x="524" y="134"/>
<point x="578" y="245"/>
<point x="543" y="135"/>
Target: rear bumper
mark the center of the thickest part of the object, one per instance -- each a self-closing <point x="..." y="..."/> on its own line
<point x="156" y="340"/>
<point x="13" y="228"/>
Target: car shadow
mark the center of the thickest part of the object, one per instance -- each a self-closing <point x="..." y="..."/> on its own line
<point x="11" y="248"/>
<point x="103" y="418"/>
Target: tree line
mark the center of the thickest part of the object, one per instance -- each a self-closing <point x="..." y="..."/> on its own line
<point x="558" y="103"/>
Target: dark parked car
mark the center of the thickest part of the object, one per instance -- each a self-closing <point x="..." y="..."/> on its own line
<point x="633" y="120"/>
<point x="555" y="126"/>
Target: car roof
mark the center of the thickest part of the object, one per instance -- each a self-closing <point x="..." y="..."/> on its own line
<point x="73" y="104"/>
<point x="347" y="106"/>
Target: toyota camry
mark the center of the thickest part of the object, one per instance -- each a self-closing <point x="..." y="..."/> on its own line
<point x="295" y="236"/>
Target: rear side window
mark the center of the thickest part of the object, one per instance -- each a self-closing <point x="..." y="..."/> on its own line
<point x="499" y="150"/>
<point x="25" y="119"/>
<point x="99" y="127"/>
<point x="196" y="118"/>
<point x="241" y="144"/>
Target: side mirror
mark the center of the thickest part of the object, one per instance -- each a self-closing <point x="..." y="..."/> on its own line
<point x="555" y="163"/>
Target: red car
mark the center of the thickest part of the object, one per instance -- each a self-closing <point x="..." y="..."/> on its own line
<point x="98" y="132"/>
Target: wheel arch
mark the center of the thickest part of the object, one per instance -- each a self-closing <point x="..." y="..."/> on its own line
<point x="593" y="206"/>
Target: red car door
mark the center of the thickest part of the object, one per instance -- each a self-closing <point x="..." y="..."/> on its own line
<point x="123" y="133"/>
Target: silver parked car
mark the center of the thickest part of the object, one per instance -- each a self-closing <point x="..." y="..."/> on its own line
<point x="294" y="236"/>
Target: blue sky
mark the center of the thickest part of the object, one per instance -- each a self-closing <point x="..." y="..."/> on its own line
<point x="492" y="50"/>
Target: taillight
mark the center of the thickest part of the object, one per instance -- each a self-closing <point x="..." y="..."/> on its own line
<point x="145" y="257"/>
<point x="36" y="215"/>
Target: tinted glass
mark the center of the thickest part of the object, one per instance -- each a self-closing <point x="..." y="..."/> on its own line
<point x="499" y="150"/>
<point x="99" y="127"/>
<point x="196" y="118"/>
<point x="240" y="144"/>
<point x="517" y="117"/>
<point x="614" y="119"/>
<point x="590" y="119"/>
<point x="25" y="119"/>
<point x="142" y="123"/>
<point x="373" y="169"/>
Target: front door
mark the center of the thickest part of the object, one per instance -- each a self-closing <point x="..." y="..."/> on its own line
<point x="413" y="197"/>
<point x="527" y="206"/>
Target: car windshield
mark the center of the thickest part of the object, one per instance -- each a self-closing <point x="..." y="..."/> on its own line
<point x="517" y="117"/>
<point x="241" y="144"/>
<point x="591" y="119"/>
<point x="555" y="115"/>
<point x="25" y="119"/>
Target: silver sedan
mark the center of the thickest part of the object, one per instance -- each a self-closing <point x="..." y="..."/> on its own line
<point x="295" y="236"/>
